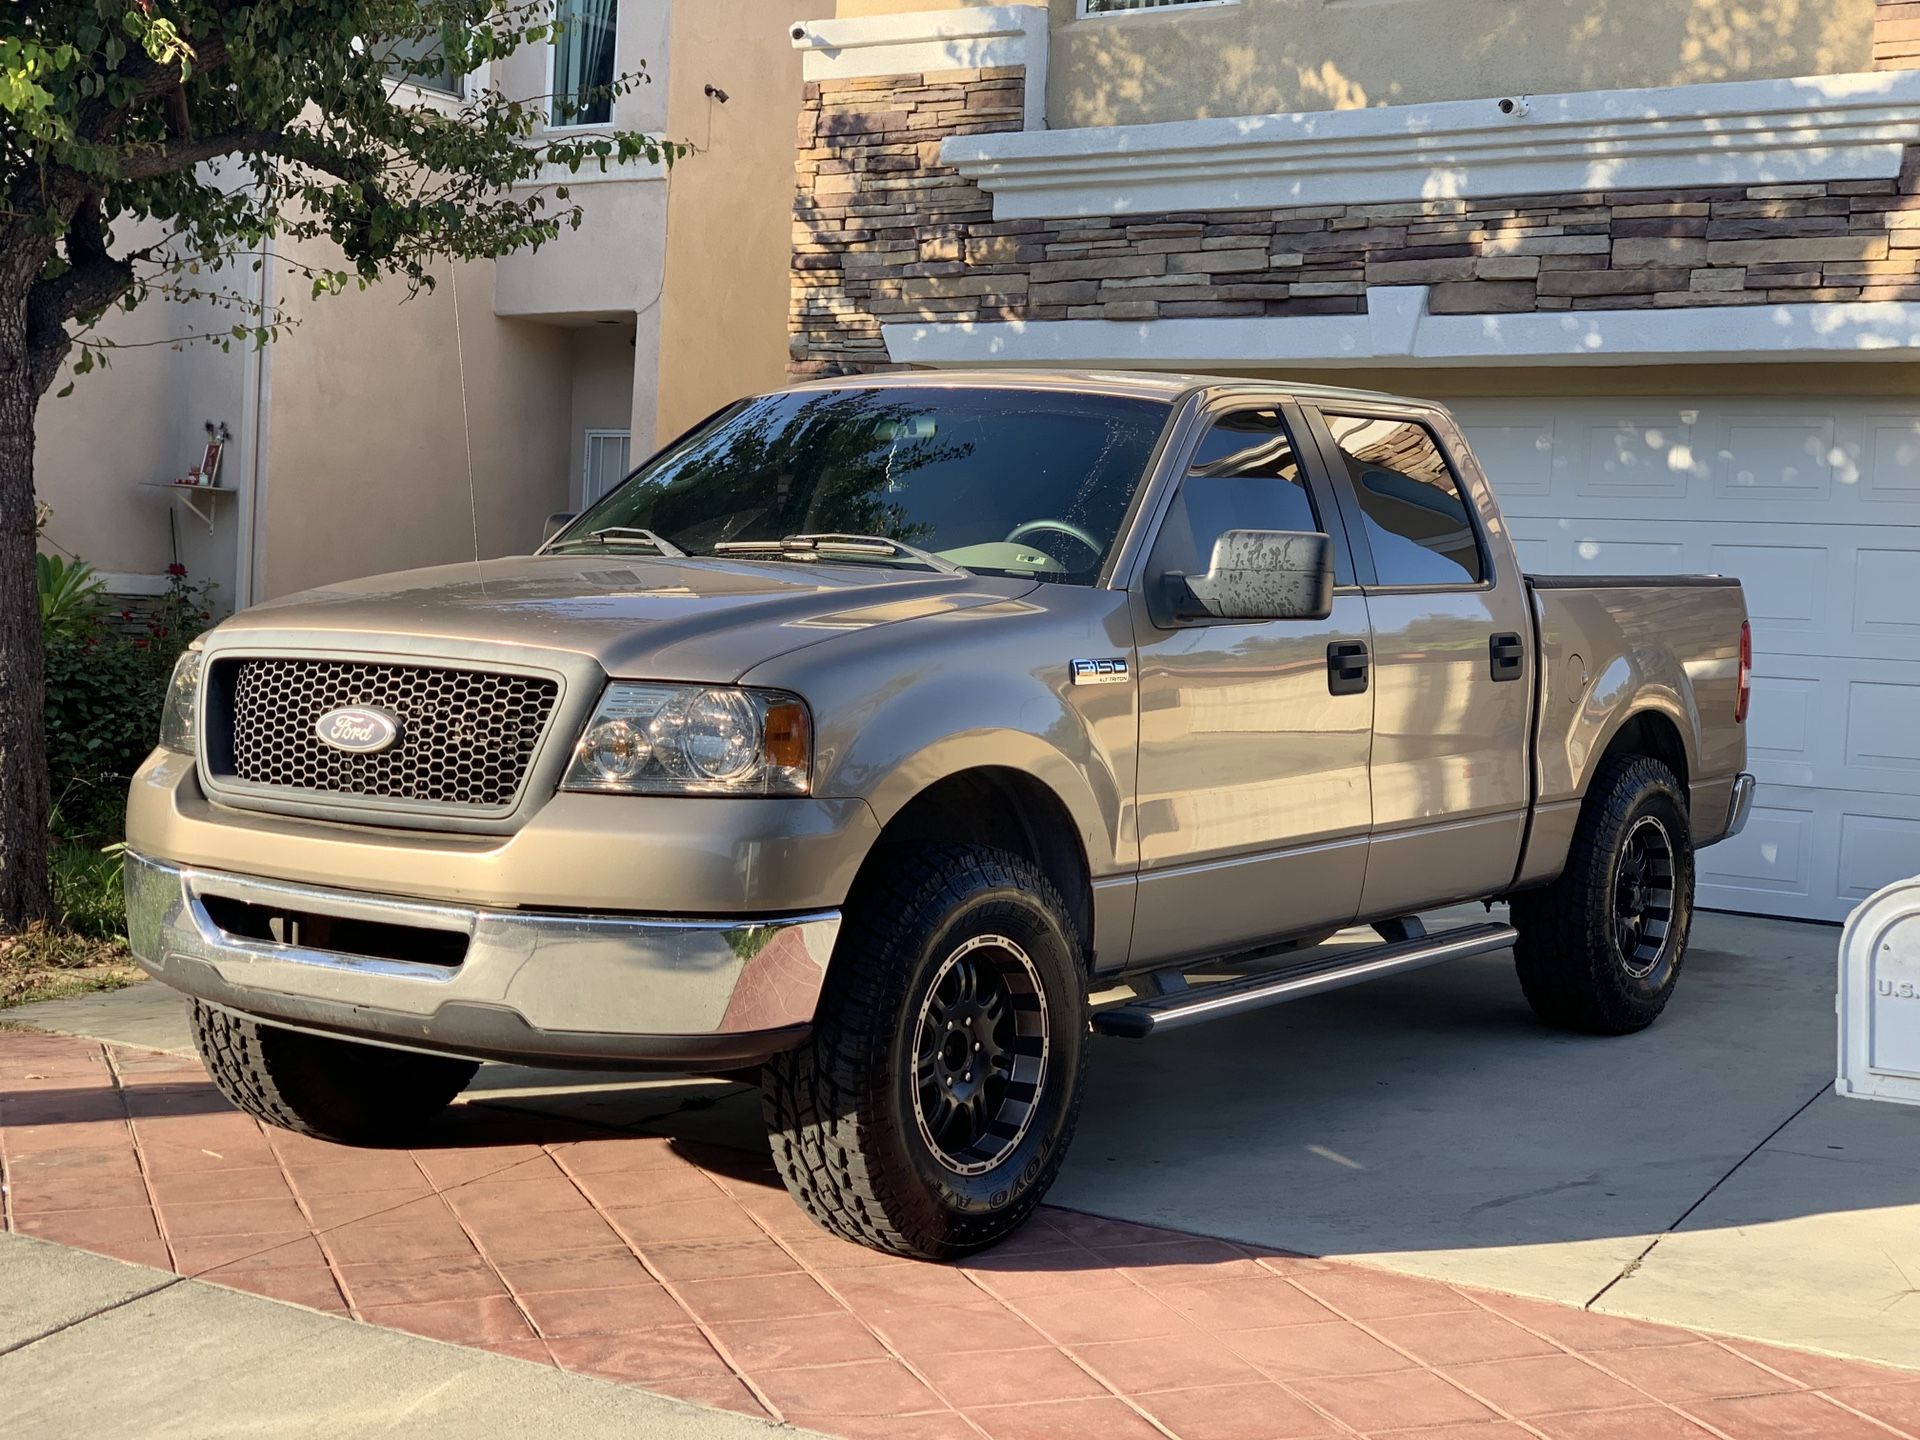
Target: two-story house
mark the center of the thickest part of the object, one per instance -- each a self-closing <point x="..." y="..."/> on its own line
<point x="385" y="431"/>
<point x="1662" y="256"/>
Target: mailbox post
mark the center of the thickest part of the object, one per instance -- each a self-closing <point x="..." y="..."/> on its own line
<point x="1879" y="1002"/>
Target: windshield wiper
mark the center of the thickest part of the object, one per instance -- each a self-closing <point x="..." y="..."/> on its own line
<point x="814" y="546"/>
<point x="633" y="532"/>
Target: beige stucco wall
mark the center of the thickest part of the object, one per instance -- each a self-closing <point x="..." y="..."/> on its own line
<point x="1262" y="56"/>
<point x="367" y="452"/>
<point x="603" y="379"/>
<point x="723" y="320"/>
<point x="142" y="418"/>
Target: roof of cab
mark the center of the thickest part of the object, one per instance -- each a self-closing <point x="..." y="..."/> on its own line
<point x="1147" y="384"/>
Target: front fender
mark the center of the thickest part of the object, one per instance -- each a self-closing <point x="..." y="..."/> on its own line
<point x="966" y="722"/>
<point x="900" y="707"/>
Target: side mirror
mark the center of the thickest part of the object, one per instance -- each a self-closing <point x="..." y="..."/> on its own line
<point x="1258" y="575"/>
<point x="557" y="522"/>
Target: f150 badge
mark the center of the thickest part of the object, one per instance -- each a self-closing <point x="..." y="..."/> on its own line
<point x="358" y="729"/>
<point x="1099" y="672"/>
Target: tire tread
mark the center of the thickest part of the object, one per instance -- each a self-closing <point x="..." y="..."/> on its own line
<point x="1565" y="951"/>
<point x="826" y="1118"/>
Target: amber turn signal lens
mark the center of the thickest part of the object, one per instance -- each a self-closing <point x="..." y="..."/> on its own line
<point x="789" y="735"/>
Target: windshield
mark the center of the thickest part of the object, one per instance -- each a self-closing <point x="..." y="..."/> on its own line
<point x="1004" y="482"/>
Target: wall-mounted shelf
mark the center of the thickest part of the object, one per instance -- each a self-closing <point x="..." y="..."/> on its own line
<point x="189" y="496"/>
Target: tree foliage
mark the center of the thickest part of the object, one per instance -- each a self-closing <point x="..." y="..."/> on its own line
<point x="154" y="146"/>
<point x="224" y="125"/>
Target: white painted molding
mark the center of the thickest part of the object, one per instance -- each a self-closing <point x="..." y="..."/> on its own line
<point x="1397" y="329"/>
<point x="592" y="173"/>
<point x="972" y="38"/>
<point x="1754" y="132"/>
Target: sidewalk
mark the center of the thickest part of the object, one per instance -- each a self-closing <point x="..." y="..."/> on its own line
<point x="92" y="1346"/>
<point x="652" y="1258"/>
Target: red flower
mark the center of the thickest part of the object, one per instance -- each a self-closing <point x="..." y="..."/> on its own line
<point x="176" y="570"/>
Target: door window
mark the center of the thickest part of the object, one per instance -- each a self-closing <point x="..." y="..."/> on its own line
<point x="1417" y="522"/>
<point x="1246" y="475"/>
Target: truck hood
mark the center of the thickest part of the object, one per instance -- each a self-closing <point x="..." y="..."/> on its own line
<point x="638" y="617"/>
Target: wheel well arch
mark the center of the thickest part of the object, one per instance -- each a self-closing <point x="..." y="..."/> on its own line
<point x="1653" y="734"/>
<point x="1005" y="809"/>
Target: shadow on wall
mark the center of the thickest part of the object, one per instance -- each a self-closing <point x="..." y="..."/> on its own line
<point x="1269" y="56"/>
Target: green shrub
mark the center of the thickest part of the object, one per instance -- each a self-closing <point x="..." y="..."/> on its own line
<point x="105" y="686"/>
<point x="87" y="890"/>
<point x="71" y="595"/>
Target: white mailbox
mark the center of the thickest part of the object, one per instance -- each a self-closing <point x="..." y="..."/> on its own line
<point x="1880" y="997"/>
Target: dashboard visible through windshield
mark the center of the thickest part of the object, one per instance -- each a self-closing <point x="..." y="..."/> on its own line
<point x="1020" y="482"/>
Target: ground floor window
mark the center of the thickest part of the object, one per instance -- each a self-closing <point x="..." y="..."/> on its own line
<point x="607" y="464"/>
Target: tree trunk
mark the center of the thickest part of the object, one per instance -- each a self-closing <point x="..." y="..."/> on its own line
<point x="25" y="802"/>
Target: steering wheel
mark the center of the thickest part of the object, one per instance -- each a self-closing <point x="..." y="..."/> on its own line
<point x="1063" y="527"/>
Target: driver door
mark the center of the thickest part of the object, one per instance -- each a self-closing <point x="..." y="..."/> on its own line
<point x="1254" y="796"/>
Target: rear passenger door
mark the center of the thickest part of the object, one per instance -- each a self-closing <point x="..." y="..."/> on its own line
<point x="1452" y="658"/>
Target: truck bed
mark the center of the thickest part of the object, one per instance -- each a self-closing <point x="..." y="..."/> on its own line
<point x="1670" y="645"/>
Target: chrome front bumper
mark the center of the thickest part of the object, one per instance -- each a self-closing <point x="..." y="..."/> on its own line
<point x="510" y="985"/>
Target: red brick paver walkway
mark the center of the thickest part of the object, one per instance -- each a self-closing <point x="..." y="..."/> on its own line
<point x="686" y="1269"/>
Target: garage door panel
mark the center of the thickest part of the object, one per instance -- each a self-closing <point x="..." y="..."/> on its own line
<point x="1889" y="460"/>
<point x="1875" y="851"/>
<point x="1781" y="726"/>
<point x="1836" y="721"/>
<point x="1775" y="459"/>
<point x="1886" y="589"/>
<point x="1815" y="506"/>
<point x="1768" y="867"/>
<point x="1739" y="459"/>
<point x="1883" y="728"/>
<point x="1786" y="585"/>
<point x="1519" y="448"/>
<point x="1811" y="590"/>
<point x="1646" y="454"/>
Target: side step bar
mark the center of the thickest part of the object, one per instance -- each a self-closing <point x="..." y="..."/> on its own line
<point x="1189" y="1005"/>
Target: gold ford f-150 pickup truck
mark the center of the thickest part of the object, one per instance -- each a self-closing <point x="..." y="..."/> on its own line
<point x="863" y="732"/>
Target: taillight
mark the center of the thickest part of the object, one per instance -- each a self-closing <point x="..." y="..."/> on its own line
<point x="1746" y="673"/>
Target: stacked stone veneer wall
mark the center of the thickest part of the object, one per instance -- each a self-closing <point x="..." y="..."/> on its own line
<point x="1896" y="35"/>
<point x="885" y="233"/>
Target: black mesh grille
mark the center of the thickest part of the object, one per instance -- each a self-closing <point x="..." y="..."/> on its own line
<point x="466" y="736"/>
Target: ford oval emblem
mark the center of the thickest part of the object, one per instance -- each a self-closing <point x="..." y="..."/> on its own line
<point x="358" y="729"/>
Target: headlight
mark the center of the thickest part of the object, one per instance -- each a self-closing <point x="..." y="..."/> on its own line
<point x="182" y="703"/>
<point x="694" y="740"/>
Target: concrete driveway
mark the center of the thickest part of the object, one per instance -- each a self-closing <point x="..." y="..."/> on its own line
<point x="1700" y="1174"/>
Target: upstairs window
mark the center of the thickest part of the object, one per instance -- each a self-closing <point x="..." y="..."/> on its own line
<point x="1417" y="521"/>
<point x="421" y="60"/>
<point x="583" y="62"/>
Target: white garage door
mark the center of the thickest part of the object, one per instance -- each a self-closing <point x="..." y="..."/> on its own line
<point x="1815" y="505"/>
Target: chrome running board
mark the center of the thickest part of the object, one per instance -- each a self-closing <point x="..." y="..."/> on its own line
<point x="1182" y="1004"/>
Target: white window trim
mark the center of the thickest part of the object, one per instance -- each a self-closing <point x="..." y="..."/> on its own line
<point x="1398" y="329"/>
<point x="586" y="127"/>
<point x="1743" y="132"/>
<point x="1166" y="7"/>
<point x="589" y="435"/>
